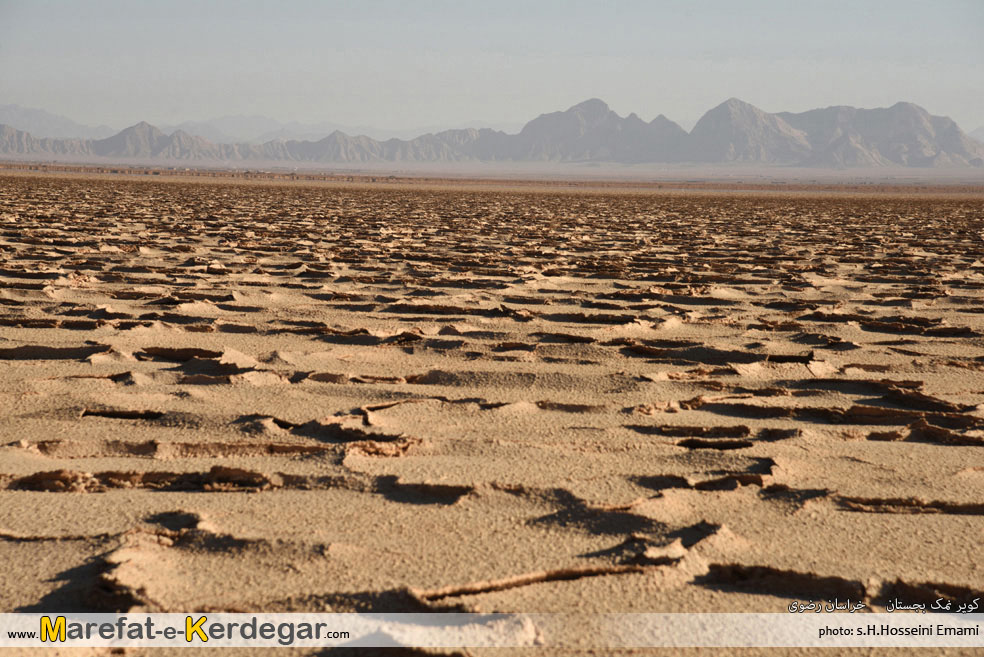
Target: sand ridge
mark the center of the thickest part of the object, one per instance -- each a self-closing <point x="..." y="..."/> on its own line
<point x="230" y="397"/>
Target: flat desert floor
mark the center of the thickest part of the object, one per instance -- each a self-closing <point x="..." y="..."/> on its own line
<point x="263" y="397"/>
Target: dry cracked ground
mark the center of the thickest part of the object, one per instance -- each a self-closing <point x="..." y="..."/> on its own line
<point x="249" y="397"/>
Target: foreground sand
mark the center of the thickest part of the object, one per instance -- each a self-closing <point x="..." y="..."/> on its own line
<point x="288" y="398"/>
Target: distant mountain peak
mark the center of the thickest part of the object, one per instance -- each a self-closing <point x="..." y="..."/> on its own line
<point x="661" y="119"/>
<point x="143" y="128"/>
<point x="591" y="105"/>
<point x="736" y="106"/>
<point x="736" y="131"/>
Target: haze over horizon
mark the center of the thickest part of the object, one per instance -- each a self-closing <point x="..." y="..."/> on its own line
<point x="398" y="67"/>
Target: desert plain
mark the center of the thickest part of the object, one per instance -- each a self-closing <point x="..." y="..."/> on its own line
<point x="221" y="396"/>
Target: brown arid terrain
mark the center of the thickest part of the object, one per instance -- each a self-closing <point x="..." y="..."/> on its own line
<point x="263" y="396"/>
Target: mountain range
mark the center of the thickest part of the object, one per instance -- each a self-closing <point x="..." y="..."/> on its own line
<point x="903" y="135"/>
<point x="45" y="124"/>
<point x="222" y="130"/>
<point x="260" y="129"/>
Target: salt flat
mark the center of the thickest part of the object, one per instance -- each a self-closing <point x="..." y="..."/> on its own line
<point x="219" y="396"/>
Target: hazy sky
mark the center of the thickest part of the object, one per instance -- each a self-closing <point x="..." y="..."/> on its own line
<point x="413" y="63"/>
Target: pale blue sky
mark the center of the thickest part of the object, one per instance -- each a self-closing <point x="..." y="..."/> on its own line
<point x="424" y="63"/>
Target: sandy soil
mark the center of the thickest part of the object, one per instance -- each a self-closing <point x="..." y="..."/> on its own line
<point x="285" y="398"/>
